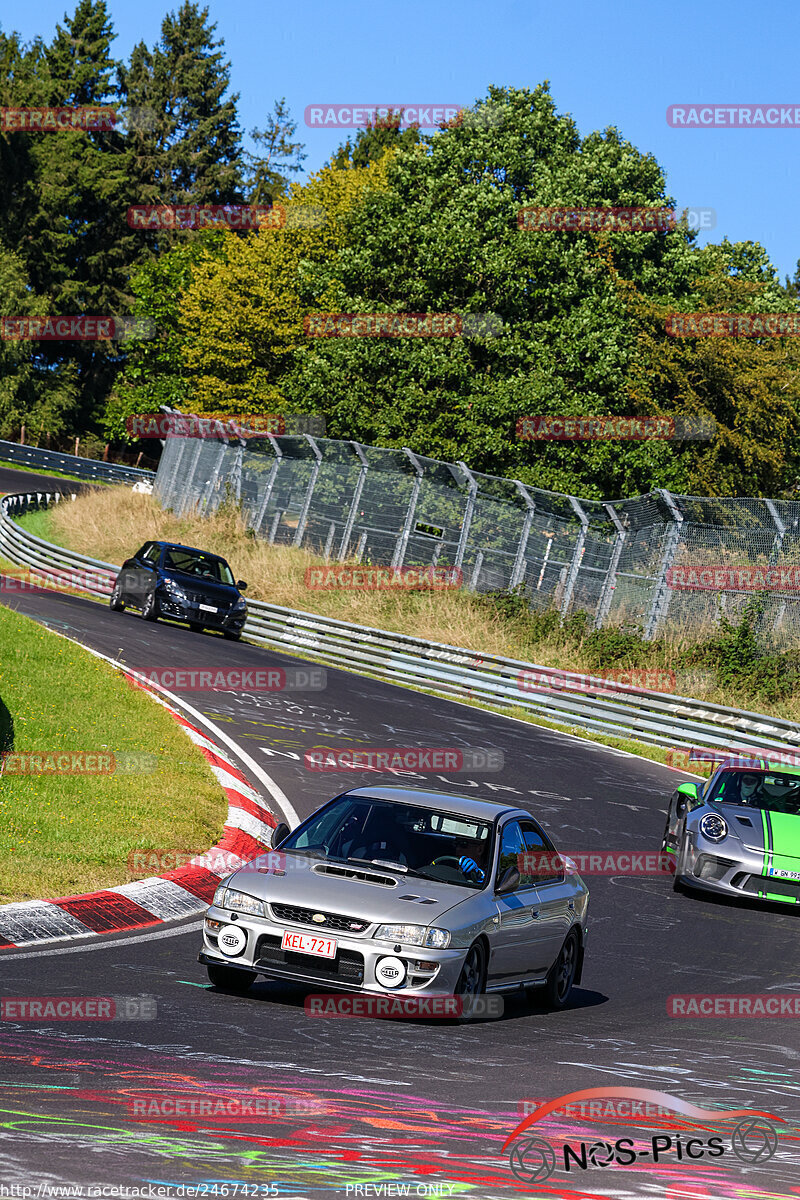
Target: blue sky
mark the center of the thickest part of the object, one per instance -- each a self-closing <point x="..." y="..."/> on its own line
<point x="619" y="64"/>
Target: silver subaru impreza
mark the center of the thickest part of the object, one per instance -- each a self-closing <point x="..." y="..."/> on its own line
<point x="403" y="891"/>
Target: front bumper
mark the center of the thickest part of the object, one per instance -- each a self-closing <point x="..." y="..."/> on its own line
<point x="189" y="610"/>
<point x="352" y="969"/>
<point x="731" y="869"/>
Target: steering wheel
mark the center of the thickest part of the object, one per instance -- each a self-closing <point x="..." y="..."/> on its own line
<point x="447" y="860"/>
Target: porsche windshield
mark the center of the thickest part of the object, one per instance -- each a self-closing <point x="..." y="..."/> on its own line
<point x="775" y="792"/>
<point x="404" y="837"/>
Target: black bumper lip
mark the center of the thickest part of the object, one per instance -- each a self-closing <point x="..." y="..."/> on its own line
<point x="276" y="973"/>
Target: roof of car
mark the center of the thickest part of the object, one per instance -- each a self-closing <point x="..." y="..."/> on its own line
<point x="466" y="806"/>
<point x="193" y="549"/>
<point x="767" y="765"/>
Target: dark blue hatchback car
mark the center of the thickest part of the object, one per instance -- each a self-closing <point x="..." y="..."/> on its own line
<point x="182" y="583"/>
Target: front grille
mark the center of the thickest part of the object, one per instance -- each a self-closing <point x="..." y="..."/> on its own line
<point x="753" y="884"/>
<point x="200" y="598"/>
<point x="346" y="967"/>
<point x="303" y="916"/>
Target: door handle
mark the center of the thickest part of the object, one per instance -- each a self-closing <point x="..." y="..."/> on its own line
<point x="534" y="912"/>
<point x="571" y="905"/>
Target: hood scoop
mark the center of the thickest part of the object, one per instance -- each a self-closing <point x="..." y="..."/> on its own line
<point x="745" y="821"/>
<point x="357" y="873"/>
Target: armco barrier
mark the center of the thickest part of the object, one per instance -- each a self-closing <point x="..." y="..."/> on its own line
<point x="654" y="717"/>
<point x="71" y="464"/>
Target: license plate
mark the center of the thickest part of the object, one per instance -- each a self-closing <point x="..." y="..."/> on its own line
<point x="307" y="943"/>
<point x="206" y="608"/>
<point x="779" y="873"/>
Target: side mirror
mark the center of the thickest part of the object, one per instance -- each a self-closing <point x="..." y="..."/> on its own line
<point x="241" y="585"/>
<point x="280" y="834"/>
<point x="687" y="797"/>
<point x="508" y="881"/>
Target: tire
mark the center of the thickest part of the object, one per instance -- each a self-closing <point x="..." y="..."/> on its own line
<point x="115" y="602"/>
<point x="150" y="607"/>
<point x="472" y="980"/>
<point x="678" y="884"/>
<point x="561" y="975"/>
<point x="230" y="979"/>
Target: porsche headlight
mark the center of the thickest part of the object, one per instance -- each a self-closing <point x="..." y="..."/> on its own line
<point x="243" y="903"/>
<point x="714" y="827"/>
<point x="414" y="935"/>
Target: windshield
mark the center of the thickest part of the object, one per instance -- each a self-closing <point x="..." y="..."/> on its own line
<point x="416" y="841"/>
<point x="775" y="792"/>
<point x="201" y="566"/>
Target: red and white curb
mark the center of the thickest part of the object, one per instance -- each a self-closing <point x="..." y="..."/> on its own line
<point x="180" y="893"/>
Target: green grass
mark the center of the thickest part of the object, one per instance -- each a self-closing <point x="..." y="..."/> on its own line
<point x="61" y="834"/>
<point x="38" y="523"/>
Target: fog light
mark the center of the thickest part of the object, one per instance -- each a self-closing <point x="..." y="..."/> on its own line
<point x="708" y="867"/>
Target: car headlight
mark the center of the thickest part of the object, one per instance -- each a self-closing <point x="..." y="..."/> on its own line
<point x="414" y="935"/>
<point x="174" y="589"/>
<point x="242" y="902"/>
<point x="714" y="827"/>
<point x="219" y="896"/>
<point x="240" y="605"/>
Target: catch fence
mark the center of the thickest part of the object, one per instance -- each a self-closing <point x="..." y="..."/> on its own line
<point x="625" y="562"/>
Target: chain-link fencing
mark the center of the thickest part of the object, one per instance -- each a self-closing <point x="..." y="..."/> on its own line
<point x="654" y="562"/>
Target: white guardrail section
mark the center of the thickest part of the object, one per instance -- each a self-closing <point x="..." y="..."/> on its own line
<point x="657" y="718"/>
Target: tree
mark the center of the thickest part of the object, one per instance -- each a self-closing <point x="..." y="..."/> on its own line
<point x="268" y="179"/>
<point x="372" y="142"/>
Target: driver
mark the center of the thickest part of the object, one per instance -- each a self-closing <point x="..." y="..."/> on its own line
<point x="748" y="789"/>
<point x="463" y="849"/>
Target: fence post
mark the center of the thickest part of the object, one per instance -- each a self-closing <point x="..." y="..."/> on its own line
<point x="476" y="572"/>
<point x="402" y="542"/>
<point x="469" y="511"/>
<point x="518" y="570"/>
<point x="273" y="471"/>
<point x="777" y="547"/>
<point x="359" y="488"/>
<point x="572" y="575"/>
<point x="610" y="582"/>
<point x="213" y="481"/>
<point x="301" y="524"/>
<point x="190" y="478"/>
<point x="662" y="593"/>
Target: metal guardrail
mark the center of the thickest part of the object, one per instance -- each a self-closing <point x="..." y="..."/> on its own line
<point x="71" y="464"/>
<point x="652" y="717"/>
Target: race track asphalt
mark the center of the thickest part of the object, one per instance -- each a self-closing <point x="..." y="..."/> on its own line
<point x="400" y="1101"/>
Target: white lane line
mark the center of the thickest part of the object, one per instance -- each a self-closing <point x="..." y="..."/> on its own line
<point x="72" y="948"/>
